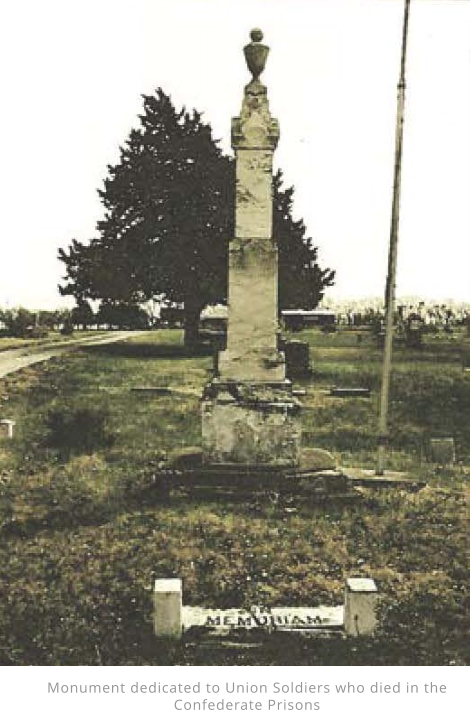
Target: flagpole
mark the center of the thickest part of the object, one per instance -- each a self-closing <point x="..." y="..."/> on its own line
<point x="392" y="255"/>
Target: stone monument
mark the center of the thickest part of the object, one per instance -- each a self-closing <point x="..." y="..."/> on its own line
<point x="356" y="617"/>
<point x="249" y="415"/>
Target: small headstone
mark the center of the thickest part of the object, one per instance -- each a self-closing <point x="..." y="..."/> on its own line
<point x="360" y="607"/>
<point x="414" y="330"/>
<point x="297" y="359"/>
<point x="6" y="428"/>
<point x="301" y="392"/>
<point x="350" y="392"/>
<point x="168" y="606"/>
<point x="442" y="451"/>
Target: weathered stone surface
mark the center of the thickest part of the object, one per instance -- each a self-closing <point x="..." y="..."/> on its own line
<point x="255" y="128"/>
<point x="251" y="353"/>
<point x="360" y="607"/>
<point x="168" y="601"/>
<point x="368" y="478"/>
<point x="250" y="426"/>
<point x="442" y="451"/>
<point x="253" y="194"/>
<point x="318" y="460"/>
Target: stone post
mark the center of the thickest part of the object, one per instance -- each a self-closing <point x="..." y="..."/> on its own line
<point x="360" y="607"/>
<point x="248" y="412"/>
<point x="6" y="428"/>
<point x="168" y="608"/>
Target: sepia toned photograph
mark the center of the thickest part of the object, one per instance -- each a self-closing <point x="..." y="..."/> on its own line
<point x="235" y="334"/>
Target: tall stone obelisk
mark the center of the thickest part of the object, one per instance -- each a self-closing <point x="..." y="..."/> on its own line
<point x="249" y="416"/>
<point x="253" y="315"/>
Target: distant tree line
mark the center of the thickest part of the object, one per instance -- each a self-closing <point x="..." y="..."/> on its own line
<point x="24" y="323"/>
<point x="168" y="219"/>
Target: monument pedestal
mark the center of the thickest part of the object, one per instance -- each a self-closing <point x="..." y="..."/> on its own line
<point x="250" y="425"/>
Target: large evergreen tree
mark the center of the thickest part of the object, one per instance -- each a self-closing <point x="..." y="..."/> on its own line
<point x="169" y="215"/>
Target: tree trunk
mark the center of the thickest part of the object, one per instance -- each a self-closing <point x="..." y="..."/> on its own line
<point x="192" y="312"/>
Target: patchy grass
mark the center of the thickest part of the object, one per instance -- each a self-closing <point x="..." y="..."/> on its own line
<point x="84" y="535"/>
<point x="430" y="396"/>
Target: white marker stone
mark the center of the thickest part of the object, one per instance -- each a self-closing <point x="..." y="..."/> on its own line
<point x="284" y="618"/>
<point x="6" y="428"/>
<point x="168" y="603"/>
<point x="360" y="607"/>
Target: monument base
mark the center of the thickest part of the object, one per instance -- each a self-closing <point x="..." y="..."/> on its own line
<point x="250" y="425"/>
<point x="316" y="478"/>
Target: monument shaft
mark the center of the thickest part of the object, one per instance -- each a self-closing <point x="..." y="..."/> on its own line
<point x="248" y="411"/>
<point x="252" y="353"/>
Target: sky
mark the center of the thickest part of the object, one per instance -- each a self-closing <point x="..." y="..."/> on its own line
<point x="74" y="73"/>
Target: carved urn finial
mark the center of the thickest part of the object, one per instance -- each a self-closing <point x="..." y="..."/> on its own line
<point x="256" y="54"/>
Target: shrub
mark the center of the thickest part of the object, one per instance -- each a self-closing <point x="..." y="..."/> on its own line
<point x="329" y="328"/>
<point x="67" y="328"/>
<point x="19" y="322"/>
<point x="38" y="331"/>
<point x="78" y="430"/>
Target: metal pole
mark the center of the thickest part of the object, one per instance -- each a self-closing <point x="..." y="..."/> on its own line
<point x="392" y="255"/>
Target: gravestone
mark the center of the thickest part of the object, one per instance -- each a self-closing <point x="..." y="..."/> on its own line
<point x="249" y="414"/>
<point x="297" y="359"/>
<point x="6" y="428"/>
<point x="350" y="391"/>
<point x="414" y="331"/>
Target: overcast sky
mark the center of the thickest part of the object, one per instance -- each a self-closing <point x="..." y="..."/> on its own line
<point x="74" y="72"/>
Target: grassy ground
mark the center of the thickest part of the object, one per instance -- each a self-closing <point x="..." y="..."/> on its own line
<point x="85" y="533"/>
<point x="430" y="397"/>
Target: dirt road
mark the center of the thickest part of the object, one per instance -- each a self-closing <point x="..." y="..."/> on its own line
<point x="13" y="360"/>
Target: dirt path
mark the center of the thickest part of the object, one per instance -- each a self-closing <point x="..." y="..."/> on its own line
<point x="13" y="360"/>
